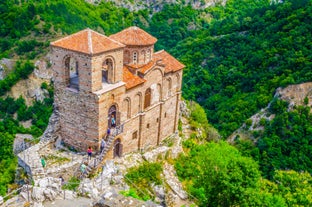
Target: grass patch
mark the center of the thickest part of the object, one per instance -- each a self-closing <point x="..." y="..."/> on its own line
<point x="72" y="184"/>
<point x="53" y="159"/>
<point x="141" y="178"/>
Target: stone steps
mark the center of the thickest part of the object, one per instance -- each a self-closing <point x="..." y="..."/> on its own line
<point x="98" y="159"/>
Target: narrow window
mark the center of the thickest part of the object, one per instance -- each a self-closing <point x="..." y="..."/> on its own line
<point x="147" y="126"/>
<point x="135" y="57"/>
<point x="147" y="98"/>
<point x="135" y="135"/>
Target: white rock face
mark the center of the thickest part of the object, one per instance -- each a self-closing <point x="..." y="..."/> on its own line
<point x="153" y="155"/>
<point x="37" y="194"/>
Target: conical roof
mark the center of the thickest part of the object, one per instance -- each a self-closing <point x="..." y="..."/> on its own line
<point x="134" y="36"/>
<point x="87" y="41"/>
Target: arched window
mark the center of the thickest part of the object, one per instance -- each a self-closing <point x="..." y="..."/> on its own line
<point x="71" y="73"/>
<point x="169" y="87"/>
<point x="127" y="108"/>
<point x="113" y="117"/>
<point x="159" y="92"/>
<point x="108" y="71"/>
<point x="177" y="82"/>
<point x="135" y="57"/>
<point x="117" y="148"/>
<point x="147" y="98"/>
<point x="137" y="103"/>
<point x="148" y="55"/>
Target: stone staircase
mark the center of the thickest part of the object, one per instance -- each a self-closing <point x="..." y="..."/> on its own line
<point x="95" y="162"/>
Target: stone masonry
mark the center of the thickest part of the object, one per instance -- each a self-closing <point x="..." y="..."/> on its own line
<point x="99" y="78"/>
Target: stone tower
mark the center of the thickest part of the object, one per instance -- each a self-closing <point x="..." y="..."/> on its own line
<point x="115" y="82"/>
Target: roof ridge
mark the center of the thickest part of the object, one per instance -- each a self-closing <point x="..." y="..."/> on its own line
<point x="90" y="41"/>
<point x="69" y="36"/>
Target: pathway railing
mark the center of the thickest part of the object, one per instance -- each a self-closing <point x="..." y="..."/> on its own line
<point x="96" y="161"/>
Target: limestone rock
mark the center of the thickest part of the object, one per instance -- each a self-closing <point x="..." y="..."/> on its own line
<point x="155" y="154"/>
<point x="38" y="204"/>
<point x="172" y="180"/>
<point x="21" y="142"/>
<point x="49" y="194"/>
<point x="42" y="71"/>
<point x="37" y="194"/>
<point x="184" y="111"/>
<point x="1" y="200"/>
<point x="5" y="64"/>
<point x="50" y="134"/>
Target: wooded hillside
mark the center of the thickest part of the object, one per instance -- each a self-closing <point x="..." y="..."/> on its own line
<point x="236" y="56"/>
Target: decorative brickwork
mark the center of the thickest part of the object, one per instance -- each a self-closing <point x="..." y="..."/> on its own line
<point x="101" y="82"/>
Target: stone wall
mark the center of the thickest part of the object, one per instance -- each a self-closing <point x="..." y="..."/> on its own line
<point x="142" y="57"/>
<point x="78" y="118"/>
<point x="97" y="64"/>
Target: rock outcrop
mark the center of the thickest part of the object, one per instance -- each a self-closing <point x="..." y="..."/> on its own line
<point x="157" y="5"/>
<point x="298" y="94"/>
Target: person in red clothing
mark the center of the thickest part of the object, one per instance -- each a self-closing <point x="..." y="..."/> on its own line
<point x="89" y="152"/>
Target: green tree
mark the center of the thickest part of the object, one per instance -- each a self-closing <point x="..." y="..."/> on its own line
<point x="218" y="175"/>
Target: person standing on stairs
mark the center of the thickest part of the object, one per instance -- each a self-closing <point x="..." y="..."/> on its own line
<point x="83" y="168"/>
<point x="103" y="143"/>
<point x="89" y="151"/>
<point x="108" y="133"/>
<point x="113" y="121"/>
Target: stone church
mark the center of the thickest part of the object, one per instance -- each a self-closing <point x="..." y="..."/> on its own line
<point x="115" y="82"/>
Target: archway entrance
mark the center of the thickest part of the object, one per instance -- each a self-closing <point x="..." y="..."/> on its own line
<point x="113" y="117"/>
<point x="71" y="72"/>
<point x="108" y="71"/>
<point x="117" y="148"/>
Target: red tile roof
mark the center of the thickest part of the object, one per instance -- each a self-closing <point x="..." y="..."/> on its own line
<point x="130" y="79"/>
<point x="87" y="41"/>
<point x="134" y="36"/>
<point x="171" y="64"/>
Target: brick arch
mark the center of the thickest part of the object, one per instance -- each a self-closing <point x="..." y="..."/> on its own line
<point x="147" y="98"/>
<point x="113" y="113"/>
<point x="108" y="69"/>
<point x="178" y="82"/>
<point x="169" y="86"/>
<point x="127" y="107"/>
<point x="117" y="147"/>
<point x="137" y="106"/>
<point x="71" y="71"/>
<point x="159" y="90"/>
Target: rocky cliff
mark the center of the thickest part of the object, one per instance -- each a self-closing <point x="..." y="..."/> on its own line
<point x="157" y="5"/>
<point x="295" y="95"/>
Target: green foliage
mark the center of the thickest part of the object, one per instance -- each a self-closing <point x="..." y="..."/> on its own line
<point x="39" y="113"/>
<point x="286" y="141"/>
<point x="72" y="184"/>
<point x="21" y="71"/>
<point x="217" y="175"/>
<point x="141" y="178"/>
<point x="7" y="164"/>
<point x="243" y="55"/>
<point x="293" y="187"/>
<point x="131" y="192"/>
